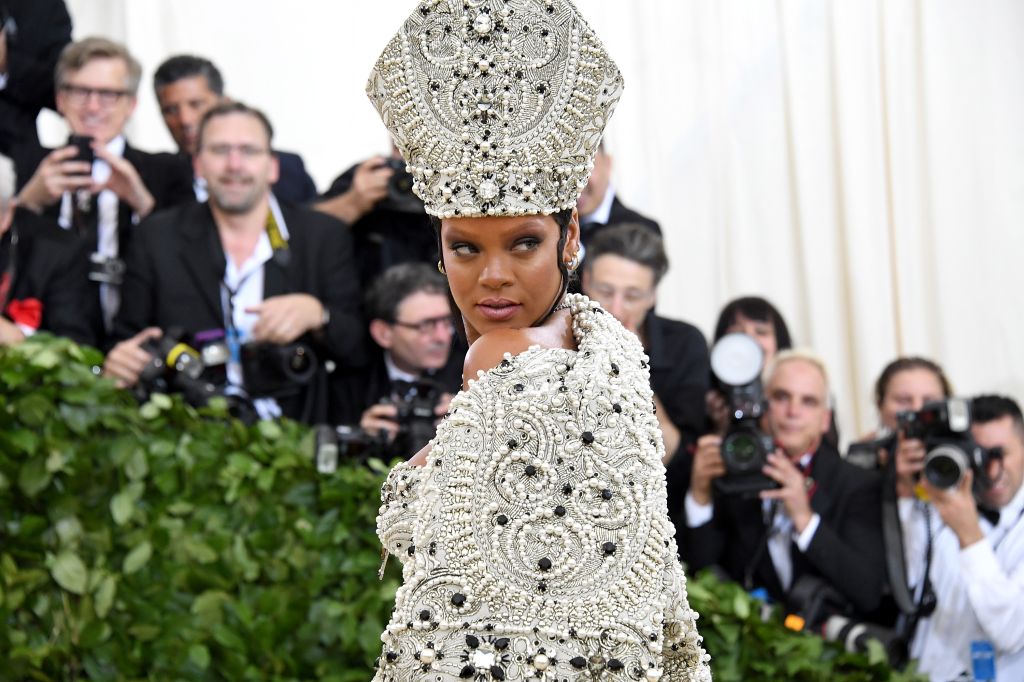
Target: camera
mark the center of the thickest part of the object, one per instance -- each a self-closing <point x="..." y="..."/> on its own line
<point x="271" y="371"/>
<point x="400" y="195"/>
<point x="83" y="145"/>
<point x="737" y="361"/>
<point x="822" y="609"/>
<point x="415" y="405"/>
<point x="174" y="367"/>
<point x="106" y="269"/>
<point x="945" y="428"/>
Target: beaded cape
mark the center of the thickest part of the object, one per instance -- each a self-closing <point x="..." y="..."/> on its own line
<point x="497" y="106"/>
<point x="535" y="541"/>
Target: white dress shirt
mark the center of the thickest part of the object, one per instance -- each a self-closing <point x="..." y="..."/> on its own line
<point x="106" y="223"/>
<point x="780" y="536"/>
<point x="244" y="289"/>
<point x="980" y="592"/>
<point x="603" y="211"/>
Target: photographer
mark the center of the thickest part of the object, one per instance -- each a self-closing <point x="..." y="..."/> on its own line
<point x="99" y="186"/>
<point x="821" y="516"/>
<point x="412" y="329"/>
<point x="974" y="534"/>
<point x="386" y="220"/>
<point x="259" y="277"/>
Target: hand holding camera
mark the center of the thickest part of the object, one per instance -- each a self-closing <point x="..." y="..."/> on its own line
<point x="127" y="360"/>
<point x="792" y="491"/>
<point x="125" y="182"/>
<point x="707" y="466"/>
<point x="958" y="508"/>
<point x="63" y="170"/>
<point x="382" y="417"/>
<point x="370" y="183"/>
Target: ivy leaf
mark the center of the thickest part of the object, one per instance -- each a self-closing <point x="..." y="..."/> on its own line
<point x="269" y="430"/>
<point x="199" y="656"/>
<point x="122" y="506"/>
<point x="23" y="440"/>
<point x="70" y="572"/>
<point x="137" y="467"/>
<point x="103" y="598"/>
<point x="33" y="410"/>
<point x="162" y="401"/>
<point x="137" y="558"/>
<point x="33" y="476"/>
<point x="741" y="606"/>
<point x="45" y="359"/>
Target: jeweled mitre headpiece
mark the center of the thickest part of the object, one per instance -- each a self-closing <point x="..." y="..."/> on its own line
<point x="497" y="106"/>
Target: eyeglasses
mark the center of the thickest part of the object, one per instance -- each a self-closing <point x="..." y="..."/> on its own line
<point x="428" y="325"/>
<point x="79" y="95"/>
<point x="631" y="298"/>
<point x="247" y="151"/>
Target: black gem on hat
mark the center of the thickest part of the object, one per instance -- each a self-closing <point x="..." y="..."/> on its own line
<point x="544" y="564"/>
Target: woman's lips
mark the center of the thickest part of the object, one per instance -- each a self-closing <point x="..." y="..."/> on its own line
<point x="498" y="311"/>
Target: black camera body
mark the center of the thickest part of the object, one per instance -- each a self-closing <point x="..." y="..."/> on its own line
<point x="270" y="370"/>
<point x="174" y="367"/>
<point x="416" y="403"/>
<point x="945" y="428"/>
<point x="400" y="195"/>
<point x="826" y="612"/>
<point x="106" y="269"/>
<point x="737" y="362"/>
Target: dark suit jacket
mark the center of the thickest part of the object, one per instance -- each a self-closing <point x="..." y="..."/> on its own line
<point x="49" y="266"/>
<point x="176" y="265"/>
<point x="357" y="390"/>
<point x="386" y="236"/>
<point x="43" y="29"/>
<point x="846" y="551"/>
<point x="679" y="376"/>
<point x="619" y="215"/>
<point x="293" y="184"/>
<point x="168" y="177"/>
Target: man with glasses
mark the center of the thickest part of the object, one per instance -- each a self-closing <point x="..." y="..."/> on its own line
<point x="102" y="199"/>
<point x="241" y="271"/>
<point x="412" y="327"/>
<point x="623" y="267"/>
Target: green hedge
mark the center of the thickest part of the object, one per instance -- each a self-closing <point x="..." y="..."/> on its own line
<point x="166" y="543"/>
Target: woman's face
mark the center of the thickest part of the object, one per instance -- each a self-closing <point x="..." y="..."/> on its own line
<point x="908" y="390"/>
<point x="503" y="271"/>
<point x="763" y="333"/>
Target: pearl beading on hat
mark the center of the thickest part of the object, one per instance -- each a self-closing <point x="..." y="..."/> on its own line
<point x="497" y="106"/>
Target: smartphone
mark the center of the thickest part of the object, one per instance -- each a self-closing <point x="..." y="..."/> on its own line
<point x="83" y="143"/>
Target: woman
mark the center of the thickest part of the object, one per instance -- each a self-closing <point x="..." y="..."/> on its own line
<point x="533" y="528"/>
<point x="905" y="385"/>
<point x="759" y="319"/>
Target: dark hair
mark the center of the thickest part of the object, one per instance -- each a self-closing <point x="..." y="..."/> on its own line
<point x="905" y="364"/>
<point x="234" y="107"/>
<point x="188" y="66"/>
<point x="989" y="408"/>
<point x="562" y="218"/>
<point x="396" y="284"/>
<point x="758" y="309"/>
<point x="631" y="241"/>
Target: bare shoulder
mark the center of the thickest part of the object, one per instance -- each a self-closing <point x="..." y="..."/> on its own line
<point x="489" y="350"/>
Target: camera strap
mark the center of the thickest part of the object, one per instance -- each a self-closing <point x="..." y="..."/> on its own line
<point x="10" y="270"/>
<point x="277" y="232"/>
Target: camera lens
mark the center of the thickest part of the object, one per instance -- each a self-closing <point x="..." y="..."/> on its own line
<point x="945" y="466"/>
<point x="741" y="451"/>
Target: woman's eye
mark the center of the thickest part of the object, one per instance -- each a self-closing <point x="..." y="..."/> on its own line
<point x="462" y="248"/>
<point x="527" y="244"/>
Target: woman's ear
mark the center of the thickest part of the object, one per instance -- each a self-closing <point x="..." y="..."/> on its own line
<point x="572" y="238"/>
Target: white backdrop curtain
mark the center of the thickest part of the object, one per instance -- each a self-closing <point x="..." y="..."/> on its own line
<point x="858" y="162"/>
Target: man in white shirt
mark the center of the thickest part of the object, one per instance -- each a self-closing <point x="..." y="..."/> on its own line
<point x="823" y="520"/>
<point x="96" y="82"/>
<point x="977" y="566"/>
<point x="241" y="264"/>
